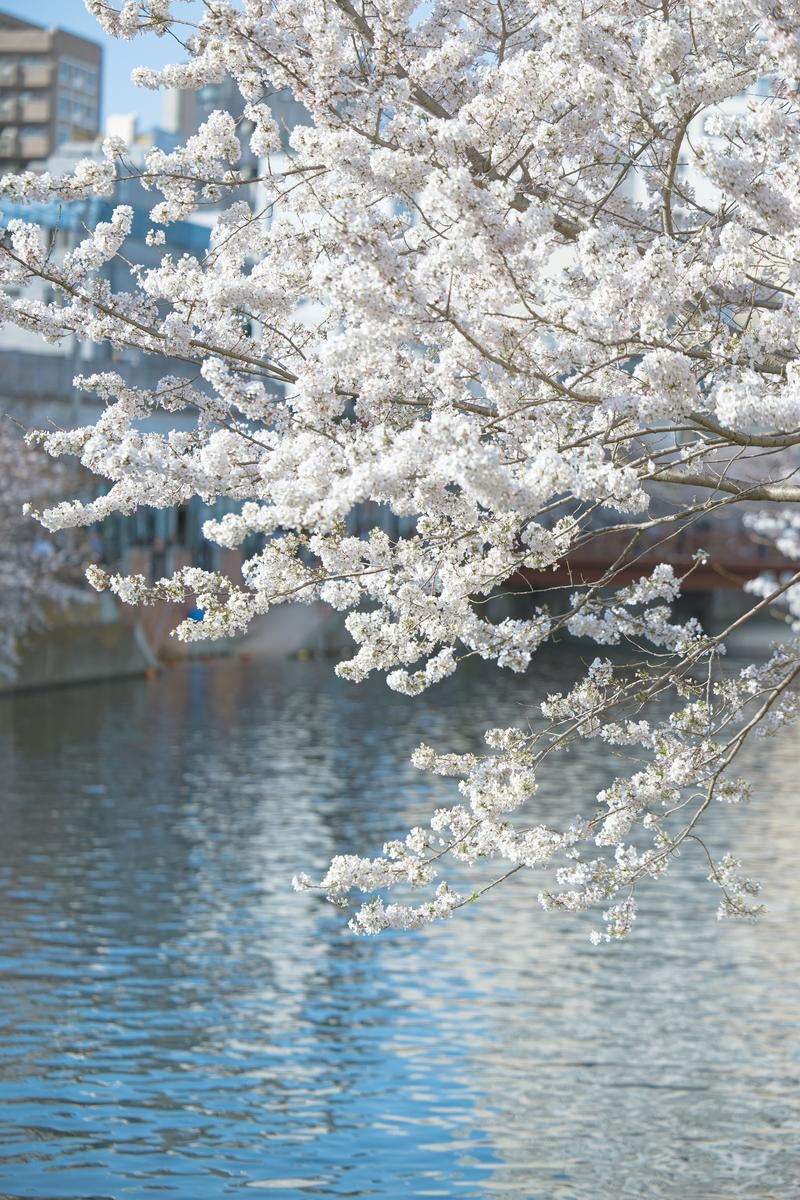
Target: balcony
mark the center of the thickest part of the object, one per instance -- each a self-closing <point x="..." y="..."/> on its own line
<point x="26" y="41"/>
<point x="37" y="74"/>
<point x="34" y="145"/>
<point x="35" y="110"/>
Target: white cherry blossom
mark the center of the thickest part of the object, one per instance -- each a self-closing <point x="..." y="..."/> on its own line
<point x="528" y="281"/>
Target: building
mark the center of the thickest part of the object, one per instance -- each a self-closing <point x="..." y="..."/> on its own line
<point x="185" y="111"/>
<point x="65" y="223"/>
<point x="50" y="83"/>
<point x="36" y="388"/>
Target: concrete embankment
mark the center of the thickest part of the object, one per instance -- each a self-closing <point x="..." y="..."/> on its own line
<point x="313" y="629"/>
<point x="87" y="643"/>
<point x="286" y="630"/>
<point x="104" y="640"/>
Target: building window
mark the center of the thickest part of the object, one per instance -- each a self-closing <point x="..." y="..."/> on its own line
<point x="77" y="77"/>
<point x="77" y="101"/>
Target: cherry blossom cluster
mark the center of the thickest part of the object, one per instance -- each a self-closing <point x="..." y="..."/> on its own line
<point x="529" y="278"/>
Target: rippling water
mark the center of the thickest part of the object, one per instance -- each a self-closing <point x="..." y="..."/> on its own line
<point x="175" y="1021"/>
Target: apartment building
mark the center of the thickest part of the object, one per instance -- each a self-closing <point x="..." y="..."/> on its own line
<point x="186" y="110"/>
<point x="49" y="91"/>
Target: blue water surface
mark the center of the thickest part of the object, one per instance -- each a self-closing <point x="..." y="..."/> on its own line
<point x="175" y="1021"/>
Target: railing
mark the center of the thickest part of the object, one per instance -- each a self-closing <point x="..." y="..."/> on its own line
<point x="37" y="110"/>
<point x="37" y="75"/>
<point x="732" y="558"/>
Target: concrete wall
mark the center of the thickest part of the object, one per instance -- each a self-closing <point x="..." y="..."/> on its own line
<point x="80" y="653"/>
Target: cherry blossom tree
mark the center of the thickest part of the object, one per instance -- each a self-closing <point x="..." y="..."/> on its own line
<point x="529" y="276"/>
<point x="34" y="573"/>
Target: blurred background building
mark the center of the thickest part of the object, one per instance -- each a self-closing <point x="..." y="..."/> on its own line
<point x="54" y="77"/>
<point x="51" y="116"/>
<point x="185" y="111"/>
<point x="50" y="91"/>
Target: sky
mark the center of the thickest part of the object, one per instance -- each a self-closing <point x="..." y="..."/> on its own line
<point x="119" y="58"/>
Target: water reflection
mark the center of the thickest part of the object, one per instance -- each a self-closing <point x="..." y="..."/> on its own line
<point x="175" y="1020"/>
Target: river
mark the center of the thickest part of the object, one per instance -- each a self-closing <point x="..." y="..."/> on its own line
<point x="175" y="1021"/>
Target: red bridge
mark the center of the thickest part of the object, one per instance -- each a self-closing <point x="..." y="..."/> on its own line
<point x="733" y="558"/>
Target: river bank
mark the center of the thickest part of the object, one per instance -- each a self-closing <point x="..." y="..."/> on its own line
<point x="102" y="639"/>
